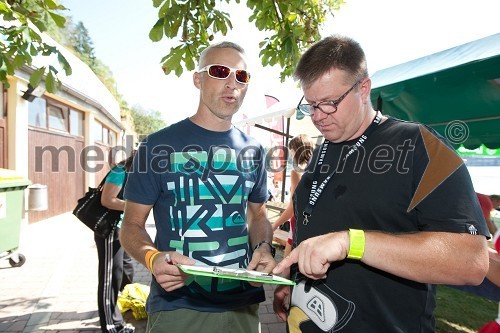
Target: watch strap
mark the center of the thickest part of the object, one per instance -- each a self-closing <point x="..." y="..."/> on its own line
<point x="273" y="249"/>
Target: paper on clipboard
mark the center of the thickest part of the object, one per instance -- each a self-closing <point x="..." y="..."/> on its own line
<point x="235" y="274"/>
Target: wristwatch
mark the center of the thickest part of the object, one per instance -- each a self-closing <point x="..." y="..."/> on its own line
<point x="273" y="249"/>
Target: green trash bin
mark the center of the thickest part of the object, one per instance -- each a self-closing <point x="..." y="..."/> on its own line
<point x="11" y="211"/>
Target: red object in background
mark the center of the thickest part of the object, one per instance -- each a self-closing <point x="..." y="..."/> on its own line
<point x="491" y="327"/>
<point x="496" y="241"/>
<point x="486" y="205"/>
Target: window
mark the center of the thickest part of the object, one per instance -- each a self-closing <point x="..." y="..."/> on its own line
<point x="112" y="138"/>
<point x="58" y="119"/>
<point x="37" y="113"/>
<point x="76" y="122"/>
<point x="97" y="131"/>
<point x="105" y="135"/>
<point x="52" y="115"/>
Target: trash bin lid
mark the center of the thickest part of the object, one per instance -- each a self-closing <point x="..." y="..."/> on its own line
<point x="10" y="178"/>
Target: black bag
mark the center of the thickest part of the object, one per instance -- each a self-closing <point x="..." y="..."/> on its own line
<point x="101" y="220"/>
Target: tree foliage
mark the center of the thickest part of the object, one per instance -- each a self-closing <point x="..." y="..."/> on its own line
<point x="80" y="39"/>
<point x="146" y="121"/>
<point x="294" y="26"/>
<point x="76" y="38"/>
<point x="21" y="22"/>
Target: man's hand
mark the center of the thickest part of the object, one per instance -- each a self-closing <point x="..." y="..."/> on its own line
<point x="314" y="255"/>
<point x="281" y="302"/>
<point x="262" y="261"/>
<point x="169" y="276"/>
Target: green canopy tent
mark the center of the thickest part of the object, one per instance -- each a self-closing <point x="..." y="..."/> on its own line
<point x="456" y="91"/>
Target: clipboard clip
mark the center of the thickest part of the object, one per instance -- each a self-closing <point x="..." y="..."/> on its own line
<point x="241" y="273"/>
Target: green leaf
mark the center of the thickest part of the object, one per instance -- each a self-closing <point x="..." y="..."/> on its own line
<point x="8" y="67"/>
<point x="36" y="77"/>
<point x="53" y="69"/>
<point x="3" y="7"/>
<point x="64" y="63"/>
<point x="35" y="37"/>
<point x="39" y="24"/>
<point x="33" y="50"/>
<point x="19" y="61"/>
<point x="58" y="19"/>
<point x="188" y="59"/>
<point x="50" y="83"/>
<point x="157" y="3"/>
<point x="173" y="60"/>
<point x="3" y="78"/>
<point x="51" y="4"/>
<point x="156" y="33"/>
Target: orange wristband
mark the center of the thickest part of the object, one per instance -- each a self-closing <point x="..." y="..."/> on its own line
<point x="151" y="260"/>
<point x="148" y="259"/>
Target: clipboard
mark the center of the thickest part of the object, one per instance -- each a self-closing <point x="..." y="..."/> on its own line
<point x="235" y="274"/>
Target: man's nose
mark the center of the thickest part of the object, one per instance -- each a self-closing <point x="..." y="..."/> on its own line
<point x="318" y="115"/>
<point x="231" y="80"/>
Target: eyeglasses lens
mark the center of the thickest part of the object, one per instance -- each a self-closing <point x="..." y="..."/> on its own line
<point x="222" y="72"/>
<point x="242" y="76"/>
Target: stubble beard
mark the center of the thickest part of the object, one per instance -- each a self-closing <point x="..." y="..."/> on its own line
<point x="226" y="111"/>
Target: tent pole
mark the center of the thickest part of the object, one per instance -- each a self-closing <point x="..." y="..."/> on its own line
<point x="287" y="136"/>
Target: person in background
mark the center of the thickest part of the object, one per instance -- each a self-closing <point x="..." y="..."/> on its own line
<point x="380" y="211"/>
<point x="495" y="200"/>
<point x="115" y="265"/>
<point x="300" y="148"/>
<point x="493" y="275"/>
<point x="486" y="207"/>
<point x="207" y="185"/>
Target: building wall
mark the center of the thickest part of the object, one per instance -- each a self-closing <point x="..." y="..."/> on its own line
<point x="67" y="164"/>
<point x="56" y="168"/>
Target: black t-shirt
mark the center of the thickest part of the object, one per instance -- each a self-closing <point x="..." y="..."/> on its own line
<point x="402" y="179"/>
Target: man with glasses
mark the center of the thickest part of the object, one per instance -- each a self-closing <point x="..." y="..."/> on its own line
<point x="385" y="210"/>
<point x="206" y="183"/>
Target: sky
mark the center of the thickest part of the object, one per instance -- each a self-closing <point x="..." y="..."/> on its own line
<point x="390" y="32"/>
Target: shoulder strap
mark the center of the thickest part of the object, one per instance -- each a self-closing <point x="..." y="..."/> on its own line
<point x="120" y="194"/>
<point x="103" y="181"/>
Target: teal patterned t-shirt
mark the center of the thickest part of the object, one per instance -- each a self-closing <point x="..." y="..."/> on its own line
<point x="200" y="182"/>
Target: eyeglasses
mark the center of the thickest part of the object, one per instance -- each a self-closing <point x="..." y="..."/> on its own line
<point x="222" y="72"/>
<point x="327" y="107"/>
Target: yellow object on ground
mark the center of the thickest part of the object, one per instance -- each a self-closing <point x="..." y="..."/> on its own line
<point x="133" y="297"/>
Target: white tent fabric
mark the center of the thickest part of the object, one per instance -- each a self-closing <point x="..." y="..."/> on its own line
<point x="280" y="112"/>
<point x="483" y="48"/>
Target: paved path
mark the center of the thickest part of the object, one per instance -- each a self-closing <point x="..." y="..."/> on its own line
<point x="55" y="290"/>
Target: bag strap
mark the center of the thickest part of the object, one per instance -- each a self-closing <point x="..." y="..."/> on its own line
<point x="120" y="194"/>
<point x="103" y="181"/>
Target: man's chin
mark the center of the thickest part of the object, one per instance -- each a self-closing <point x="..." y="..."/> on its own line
<point x="324" y="128"/>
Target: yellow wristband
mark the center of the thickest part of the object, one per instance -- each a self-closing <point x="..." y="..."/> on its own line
<point x="356" y="244"/>
<point x="147" y="258"/>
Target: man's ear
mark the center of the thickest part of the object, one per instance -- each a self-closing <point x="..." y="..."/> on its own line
<point x="366" y="87"/>
<point x="197" y="80"/>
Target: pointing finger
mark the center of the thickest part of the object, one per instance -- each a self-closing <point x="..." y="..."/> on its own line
<point x="288" y="261"/>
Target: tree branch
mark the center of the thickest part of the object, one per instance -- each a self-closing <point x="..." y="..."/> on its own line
<point x="278" y="13"/>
